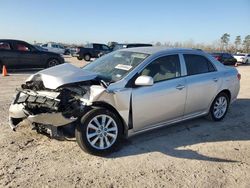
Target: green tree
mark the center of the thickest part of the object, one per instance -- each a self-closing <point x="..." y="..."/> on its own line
<point x="237" y="42"/>
<point x="225" y="40"/>
<point x="246" y="44"/>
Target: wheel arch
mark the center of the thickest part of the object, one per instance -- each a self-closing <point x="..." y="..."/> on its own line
<point x="227" y="92"/>
<point x="112" y="109"/>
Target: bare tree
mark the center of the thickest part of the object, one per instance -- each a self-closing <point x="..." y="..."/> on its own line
<point x="246" y="44"/>
<point x="225" y="40"/>
<point x="157" y="44"/>
<point x="237" y="42"/>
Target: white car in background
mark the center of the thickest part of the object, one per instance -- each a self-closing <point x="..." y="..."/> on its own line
<point x="239" y="57"/>
<point x="246" y="59"/>
<point x="53" y="47"/>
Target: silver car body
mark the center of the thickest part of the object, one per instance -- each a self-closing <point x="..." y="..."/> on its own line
<point x="141" y="108"/>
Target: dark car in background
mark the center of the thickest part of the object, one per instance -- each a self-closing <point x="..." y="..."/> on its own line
<point x="131" y="45"/>
<point x="225" y="58"/>
<point x="92" y="50"/>
<point x="17" y="54"/>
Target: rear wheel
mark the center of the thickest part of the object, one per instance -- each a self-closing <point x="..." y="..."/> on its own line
<point x="52" y="63"/>
<point x="99" y="131"/>
<point x="219" y="107"/>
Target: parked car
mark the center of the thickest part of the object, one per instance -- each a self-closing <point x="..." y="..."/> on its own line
<point x="225" y="58"/>
<point x="53" y="47"/>
<point x="246" y="59"/>
<point x="92" y="50"/>
<point x="124" y="93"/>
<point x="16" y="54"/>
<point x="131" y="45"/>
<point x="239" y="57"/>
<point x="74" y="51"/>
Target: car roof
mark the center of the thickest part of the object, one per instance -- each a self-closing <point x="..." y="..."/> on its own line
<point x="11" y="40"/>
<point x="153" y="50"/>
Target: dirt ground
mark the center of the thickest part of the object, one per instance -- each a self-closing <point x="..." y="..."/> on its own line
<point x="196" y="153"/>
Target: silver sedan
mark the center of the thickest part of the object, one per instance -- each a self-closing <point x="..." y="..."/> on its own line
<point x="124" y="93"/>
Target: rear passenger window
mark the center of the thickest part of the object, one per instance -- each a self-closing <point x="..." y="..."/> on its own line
<point x="4" y="46"/>
<point x="197" y="64"/>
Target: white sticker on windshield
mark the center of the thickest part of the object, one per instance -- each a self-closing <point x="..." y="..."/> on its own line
<point x="123" y="67"/>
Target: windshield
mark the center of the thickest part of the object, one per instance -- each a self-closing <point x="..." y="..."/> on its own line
<point x="114" y="66"/>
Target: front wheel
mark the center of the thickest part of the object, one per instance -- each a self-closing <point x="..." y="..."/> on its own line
<point x="219" y="107"/>
<point x="99" y="131"/>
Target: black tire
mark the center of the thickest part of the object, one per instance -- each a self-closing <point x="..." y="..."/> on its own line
<point x="79" y="58"/>
<point x="52" y="62"/>
<point x="211" y="115"/>
<point x="82" y="129"/>
<point x="87" y="57"/>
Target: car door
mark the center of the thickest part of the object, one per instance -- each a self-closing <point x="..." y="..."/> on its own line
<point x="97" y="49"/>
<point x="165" y="99"/>
<point x="202" y="83"/>
<point x="105" y="49"/>
<point x="8" y="56"/>
<point x="28" y="56"/>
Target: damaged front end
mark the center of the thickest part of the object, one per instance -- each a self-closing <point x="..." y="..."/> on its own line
<point x="51" y="102"/>
<point x="43" y="107"/>
<point x="48" y="107"/>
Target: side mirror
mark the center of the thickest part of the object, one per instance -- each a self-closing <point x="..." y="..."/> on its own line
<point x="144" y="81"/>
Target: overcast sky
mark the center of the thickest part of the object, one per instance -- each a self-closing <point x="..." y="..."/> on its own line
<point x="80" y="21"/>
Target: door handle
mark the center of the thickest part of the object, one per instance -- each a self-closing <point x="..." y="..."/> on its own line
<point x="180" y="87"/>
<point x="215" y="79"/>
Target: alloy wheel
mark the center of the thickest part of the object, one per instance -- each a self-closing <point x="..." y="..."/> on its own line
<point x="102" y="132"/>
<point x="220" y="107"/>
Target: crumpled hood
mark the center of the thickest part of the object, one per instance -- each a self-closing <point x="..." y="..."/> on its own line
<point x="59" y="75"/>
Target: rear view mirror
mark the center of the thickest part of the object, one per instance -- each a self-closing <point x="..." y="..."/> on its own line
<point x="144" y="81"/>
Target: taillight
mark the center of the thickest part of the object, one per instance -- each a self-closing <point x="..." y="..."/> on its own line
<point x="77" y="50"/>
<point x="239" y="76"/>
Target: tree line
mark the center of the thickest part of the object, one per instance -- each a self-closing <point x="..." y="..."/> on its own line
<point x="223" y="44"/>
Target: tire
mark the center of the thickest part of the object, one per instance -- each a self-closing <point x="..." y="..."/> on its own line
<point x="52" y="62"/>
<point x="219" y="109"/>
<point x="79" y="58"/>
<point x="99" y="140"/>
<point x="87" y="57"/>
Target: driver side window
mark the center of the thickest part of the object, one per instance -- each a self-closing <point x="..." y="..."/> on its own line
<point x="163" y="68"/>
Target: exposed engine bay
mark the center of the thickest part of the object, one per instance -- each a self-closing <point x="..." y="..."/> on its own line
<point x="43" y="107"/>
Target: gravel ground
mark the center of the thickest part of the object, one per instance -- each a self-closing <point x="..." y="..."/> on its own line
<point x="196" y="153"/>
